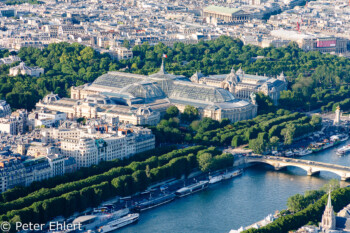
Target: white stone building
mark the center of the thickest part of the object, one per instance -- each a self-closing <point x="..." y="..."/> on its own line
<point x="5" y="109"/>
<point x="96" y="106"/>
<point x="26" y="70"/>
<point x="91" y="148"/>
<point x="37" y="169"/>
<point x="124" y="53"/>
<point x="70" y="30"/>
<point x="47" y="118"/>
<point x="14" y="124"/>
<point x="57" y="164"/>
<point x="9" y="60"/>
<point x="8" y="126"/>
<point x="242" y="85"/>
<point x="155" y="92"/>
<point x="12" y="173"/>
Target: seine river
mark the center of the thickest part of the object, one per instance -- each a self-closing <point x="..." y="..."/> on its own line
<point x="237" y="202"/>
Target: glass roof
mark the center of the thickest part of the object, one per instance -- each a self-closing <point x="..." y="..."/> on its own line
<point x="118" y="79"/>
<point x="144" y="90"/>
<point x="147" y="87"/>
<point x="205" y="93"/>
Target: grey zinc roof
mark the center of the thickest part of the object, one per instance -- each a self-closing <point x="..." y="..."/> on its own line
<point x="217" y="76"/>
<point x="258" y="77"/>
<point x="221" y="9"/>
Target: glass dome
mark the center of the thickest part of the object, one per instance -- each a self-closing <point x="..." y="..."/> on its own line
<point x="144" y="90"/>
<point x="200" y="92"/>
<point x="51" y="98"/>
<point x="98" y="99"/>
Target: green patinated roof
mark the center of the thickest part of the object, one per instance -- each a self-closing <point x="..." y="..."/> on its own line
<point x="221" y="9"/>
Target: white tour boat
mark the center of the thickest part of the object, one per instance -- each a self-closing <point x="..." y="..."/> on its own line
<point x="119" y="223"/>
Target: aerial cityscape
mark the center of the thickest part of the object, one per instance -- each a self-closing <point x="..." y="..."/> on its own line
<point x="177" y="116"/>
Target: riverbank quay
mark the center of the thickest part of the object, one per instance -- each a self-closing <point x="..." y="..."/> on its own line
<point x="267" y="220"/>
<point x="158" y="191"/>
<point x="165" y="186"/>
<point x="340" y="198"/>
<point x="169" y="187"/>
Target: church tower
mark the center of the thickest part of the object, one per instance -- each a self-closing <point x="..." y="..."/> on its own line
<point x="328" y="217"/>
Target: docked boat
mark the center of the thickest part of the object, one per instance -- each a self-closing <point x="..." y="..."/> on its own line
<point x="229" y="175"/>
<point x="289" y="154"/>
<point x="334" y="140"/>
<point x="344" y="150"/>
<point x="215" y="179"/>
<point x="192" y="188"/>
<point x="120" y="213"/>
<point x="119" y="223"/>
<point x="154" y="202"/>
<point x="339" y="137"/>
<point x="111" y="212"/>
<point x="90" y="222"/>
<point x="103" y="209"/>
<point x="304" y="152"/>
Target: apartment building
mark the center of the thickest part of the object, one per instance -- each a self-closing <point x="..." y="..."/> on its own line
<point x="90" y="148"/>
<point x="15" y="172"/>
<point x="12" y="173"/>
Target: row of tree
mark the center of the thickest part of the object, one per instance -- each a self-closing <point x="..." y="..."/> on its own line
<point x="313" y="77"/>
<point x="288" y="131"/>
<point x="83" y="173"/>
<point x="19" y="2"/>
<point x="58" y="190"/>
<point x="77" y="196"/>
<point x="312" y="213"/>
<point x="299" y="202"/>
<point x="207" y="160"/>
<point x="332" y="106"/>
<point x="261" y="132"/>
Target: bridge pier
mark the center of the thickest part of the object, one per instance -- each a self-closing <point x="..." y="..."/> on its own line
<point x="345" y="178"/>
<point x="311" y="173"/>
<point x="278" y="168"/>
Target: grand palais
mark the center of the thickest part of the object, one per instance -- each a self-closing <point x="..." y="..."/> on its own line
<point x="140" y="99"/>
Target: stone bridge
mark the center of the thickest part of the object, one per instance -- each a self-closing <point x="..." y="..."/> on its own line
<point x="311" y="167"/>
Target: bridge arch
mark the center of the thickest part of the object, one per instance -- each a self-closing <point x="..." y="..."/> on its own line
<point x="277" y="166"/>
<point x="311" y="169"/>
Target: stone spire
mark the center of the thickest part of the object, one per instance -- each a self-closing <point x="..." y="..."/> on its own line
<point x="239" y="71"/>
<point x="196" y="77"/>
<point x="282" y="77"/>
<point x="329" y="201"/>
<point x="328" y="217"/>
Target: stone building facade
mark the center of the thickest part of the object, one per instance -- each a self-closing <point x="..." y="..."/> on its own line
<point x="242" y="85"/>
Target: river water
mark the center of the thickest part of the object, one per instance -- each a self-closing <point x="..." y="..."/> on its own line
<point x="237" y="202"/>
